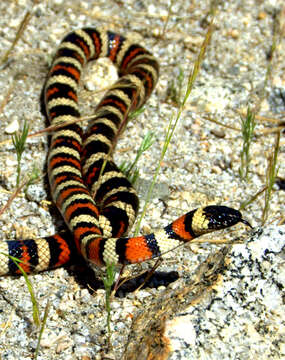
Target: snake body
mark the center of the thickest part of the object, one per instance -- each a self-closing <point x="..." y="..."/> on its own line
<point x="96" y="200"/>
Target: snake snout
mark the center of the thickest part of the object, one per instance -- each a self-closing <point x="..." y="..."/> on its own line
<point x="221" y="217"/>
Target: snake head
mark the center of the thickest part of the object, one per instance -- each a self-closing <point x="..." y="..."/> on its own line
<point x="221" y="217"/>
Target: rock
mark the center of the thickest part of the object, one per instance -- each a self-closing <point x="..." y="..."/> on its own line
<point x="244" y="316"/>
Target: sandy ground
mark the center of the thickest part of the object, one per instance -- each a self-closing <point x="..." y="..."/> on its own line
<point x="201" y="165"/>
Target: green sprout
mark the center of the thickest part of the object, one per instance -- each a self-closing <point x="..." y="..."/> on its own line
<point x="271" y="174"/>
<point x="129" y="169"/>
<point x="108" y="282"/>
<point x="19" y="141"/>
<point x="248" y="125"/>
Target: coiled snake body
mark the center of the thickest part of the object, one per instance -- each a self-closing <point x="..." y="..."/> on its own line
<point x="97" y="202"/>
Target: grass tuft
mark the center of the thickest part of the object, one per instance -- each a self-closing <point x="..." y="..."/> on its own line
<point x="174" y="90"/>
<point x="247" y="127"/>
<point x="129" y="169"/>
<point x="271" y="174"/>
<point x="36" y="316"/>
<point x="108" y="282"/>
<point x="19" y="141"/>
<point x="43" y="323"/>
<point x="35" y="174"/>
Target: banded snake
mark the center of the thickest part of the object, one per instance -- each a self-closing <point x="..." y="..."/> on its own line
<point x="100" y="205"/>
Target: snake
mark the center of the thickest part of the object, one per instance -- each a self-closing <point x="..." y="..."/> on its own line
<point x="97" y="202"/>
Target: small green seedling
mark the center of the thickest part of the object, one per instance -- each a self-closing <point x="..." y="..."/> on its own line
<point x="108" y="282"/>
<point x="19" y="141"/>
<point x="129" y="169"/>
<point x="271" y="175"/>
<point x="247" y="128"/>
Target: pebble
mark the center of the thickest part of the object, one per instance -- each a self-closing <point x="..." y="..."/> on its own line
<point x="35" y="192"/>
<point x="12" y="127"/>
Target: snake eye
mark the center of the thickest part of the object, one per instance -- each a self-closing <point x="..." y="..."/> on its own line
<point x="220" y="217"/>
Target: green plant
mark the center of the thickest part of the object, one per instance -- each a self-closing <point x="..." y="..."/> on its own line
<point x="108" y="282"/>
<point x="43" y="323"/>
<point x="19" y="141"/>
<point x="36" y="316"/>
<point x="35" y="174"/>
<point x="129" y="169"/>
<point x="247" y="128"/>
<point x="174" y="90"/>
<point x="271" y="174"/>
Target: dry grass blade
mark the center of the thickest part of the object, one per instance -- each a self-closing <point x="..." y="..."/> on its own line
<point x="167" y="20"/>
<point x="271" y="174"/>
<point x="52" y="128"/>
<point x="268" y="131"/>
<point x="19" y="33"/>
<point x="271" y="54"/>
<point x="252" y="199"/>
<point x="7" y="96"/>
<point x="208" y="117"/>
<point x="13" y="196"/>
<point x="261" y="118"/>
<point x="198" y="62"/>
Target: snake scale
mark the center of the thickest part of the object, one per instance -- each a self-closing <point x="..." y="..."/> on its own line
<point x="96" y="200"/>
